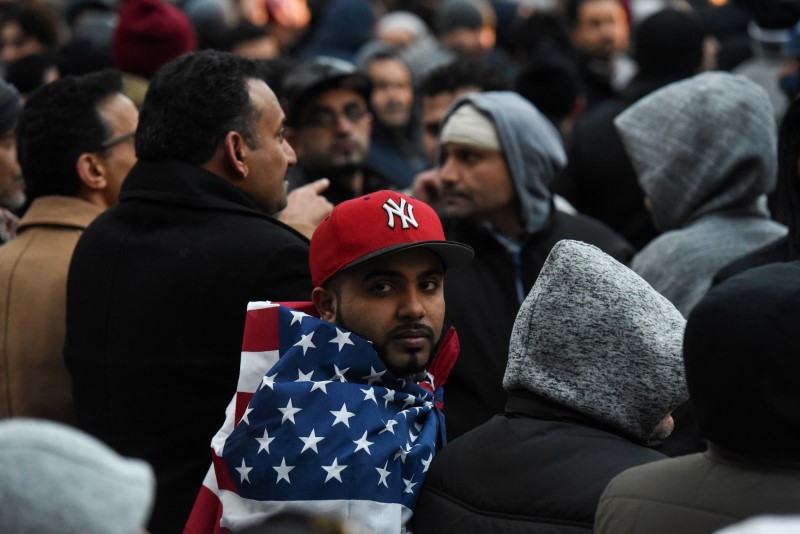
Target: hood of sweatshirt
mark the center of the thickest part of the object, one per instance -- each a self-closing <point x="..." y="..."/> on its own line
<point x="531" y="147"/>
<point x="702" y="145"/>
<point x="595" y="337"/>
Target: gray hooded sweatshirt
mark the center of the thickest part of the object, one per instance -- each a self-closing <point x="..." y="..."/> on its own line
<point x="704" y="150"/>
<point x="596" y="338"/>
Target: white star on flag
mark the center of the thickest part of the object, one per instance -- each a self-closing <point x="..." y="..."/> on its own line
<point x="246" y="413"/>
<point x="362" y="444"/>
<point x="412" y="437"/>
<point x="389" y="397"/>
<point x="409" y="485"/>
<point x="243" y="472"/>
<point x="283" y="471"/>
<point x="389" y="426"/>
<point x="373" y="376"/>
<point x="342" y="416"/>
<point x="288" y="412"/>
<point x="334" y="470"/>
<point x="263" y="442"/>
<point x="321" y="386"/>
<point x="306" y="343"/>
<point x="369" y="394"/>
<point x="268" y="381"/>
<point x="297" y="317"/>
<point x="311" y="442"/>
<point x="301" y="377"/>
<point x="341" y="339"/>
<point x="426" y="464"/>
<point x="339" y="374"/>
<point x="383" y="472"/>
<point x="409" y="400"/>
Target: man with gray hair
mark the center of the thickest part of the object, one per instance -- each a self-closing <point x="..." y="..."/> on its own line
<point x="594" y="370"/>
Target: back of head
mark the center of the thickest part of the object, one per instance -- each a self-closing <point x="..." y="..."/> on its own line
<point x="34" y="20"/>
<point x="452" y="15"/>
<point x="60" y="122"/>
<point x="669" y="44"/>
<point x="149" y="34"/>
<point x="595" y="337"/>
<point x="741" y="351"/>
<point x="464" y="73"/>
<point x="192" y="103"/>
<point x="701" y="145"/>
<point x="56" y="480"/>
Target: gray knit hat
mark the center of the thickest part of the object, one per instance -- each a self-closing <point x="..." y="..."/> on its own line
<point x="56" y="479"/>
<point x="10" y="106"/>
<point x="595" y="337"/>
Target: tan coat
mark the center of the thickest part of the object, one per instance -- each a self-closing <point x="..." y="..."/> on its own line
<point x="33" y="279"/>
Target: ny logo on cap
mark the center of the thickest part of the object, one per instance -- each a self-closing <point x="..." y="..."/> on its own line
<point x="393" y="209"/>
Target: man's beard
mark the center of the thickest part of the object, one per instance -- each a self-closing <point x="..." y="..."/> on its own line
<point x="412" y="369"/>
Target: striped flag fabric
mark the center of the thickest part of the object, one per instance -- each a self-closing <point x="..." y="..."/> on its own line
<point x="319" y="425"/>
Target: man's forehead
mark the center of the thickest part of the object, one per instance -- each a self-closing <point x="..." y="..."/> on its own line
<point x="334" y="95"/>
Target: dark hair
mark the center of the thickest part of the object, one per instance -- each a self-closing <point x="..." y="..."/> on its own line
<point x="60" y="122"/>
<point x="552" y="86"/>
<point x="192" y="102"/>
<point x="571" y="11"/>
<point x="28" y="72"/>
<point x="34" y="21"/>
<point x="464" y="73"/>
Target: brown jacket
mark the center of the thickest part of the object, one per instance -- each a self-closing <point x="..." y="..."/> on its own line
<point x="33" y="280"/>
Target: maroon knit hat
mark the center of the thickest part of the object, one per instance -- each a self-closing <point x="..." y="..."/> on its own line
<point x="150" y="33"/>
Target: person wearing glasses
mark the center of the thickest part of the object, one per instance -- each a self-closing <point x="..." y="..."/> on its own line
<point x="74" y="139"/>
<point x="330" y="127"/>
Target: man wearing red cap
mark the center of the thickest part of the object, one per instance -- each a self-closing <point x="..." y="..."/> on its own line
<point x="341" y="415"/>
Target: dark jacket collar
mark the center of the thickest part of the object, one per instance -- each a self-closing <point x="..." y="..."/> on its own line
<point x="524" y="403"/>
<point x="178" y="182"/>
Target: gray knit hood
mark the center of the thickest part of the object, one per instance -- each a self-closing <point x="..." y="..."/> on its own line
<point x="56" y="479"/>
<point x="705" y="144"/>
<point x="596" y="338"/>
<point x="531" y="146"/>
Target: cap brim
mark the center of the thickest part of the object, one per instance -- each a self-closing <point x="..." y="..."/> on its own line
<point x="453" y="254"/>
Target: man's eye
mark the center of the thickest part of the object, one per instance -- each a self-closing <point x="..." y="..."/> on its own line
<point x="382" y="287"/>
<point x="430" y="285"/>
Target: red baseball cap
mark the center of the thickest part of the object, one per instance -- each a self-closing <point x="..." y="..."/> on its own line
<point x="376" y="224"/>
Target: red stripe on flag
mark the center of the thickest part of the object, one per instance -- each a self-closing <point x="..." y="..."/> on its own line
<point x="261" y="330"/>
<point x="224" y="481"/>
<point x="206" y="514"/>
<point x="242" y="400"/>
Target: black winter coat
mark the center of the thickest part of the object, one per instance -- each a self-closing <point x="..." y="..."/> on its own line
<point x="156" y="300"/>
<point x="539" y="468"/>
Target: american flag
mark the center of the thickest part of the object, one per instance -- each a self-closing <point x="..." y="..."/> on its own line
<point x="319" y="425"/>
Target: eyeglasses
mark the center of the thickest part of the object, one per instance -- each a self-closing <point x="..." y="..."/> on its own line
<point x="117" y="139"/>
<point x="328" y="118"/>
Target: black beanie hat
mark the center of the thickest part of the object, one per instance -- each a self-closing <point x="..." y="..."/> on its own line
<point x="742" y="356"/>
<point x="669" y="43"/>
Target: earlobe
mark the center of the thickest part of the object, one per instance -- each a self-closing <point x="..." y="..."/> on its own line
<point x="91" y="171"/>
<point x="325" y="303"/>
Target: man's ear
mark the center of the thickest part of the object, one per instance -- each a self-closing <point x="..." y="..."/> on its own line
<point x="235" y="150"/>
<point x="325" y="302"/>
<point x="91" y="171"/>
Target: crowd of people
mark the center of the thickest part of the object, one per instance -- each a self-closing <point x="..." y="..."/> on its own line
<point x="378" y="266"/>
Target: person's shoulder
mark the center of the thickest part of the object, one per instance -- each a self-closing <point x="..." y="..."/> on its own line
<point x="587" y="229"/>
